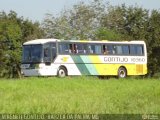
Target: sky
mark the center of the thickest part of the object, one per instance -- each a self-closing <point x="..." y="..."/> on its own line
<point x="35" y="10"/>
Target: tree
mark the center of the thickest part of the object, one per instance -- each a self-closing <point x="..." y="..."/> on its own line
<point x="153" y="41"/>
<point x="10" y="37"/>
<point x="80" y="22"/>
<point x="13" y="32"/>
<point x="107" y="34"/>
<point x="130" y="21"/>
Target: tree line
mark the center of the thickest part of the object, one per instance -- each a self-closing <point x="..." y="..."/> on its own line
<point x="95" y="20"/>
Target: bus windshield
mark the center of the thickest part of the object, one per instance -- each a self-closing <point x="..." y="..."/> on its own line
<point x="32" y="53"/>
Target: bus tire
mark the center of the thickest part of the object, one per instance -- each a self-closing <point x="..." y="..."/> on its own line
<point x="122" y="72"/>
<point x="62" y="72"/>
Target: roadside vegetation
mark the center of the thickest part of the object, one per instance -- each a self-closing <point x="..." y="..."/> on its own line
<point x="80" y="95"/>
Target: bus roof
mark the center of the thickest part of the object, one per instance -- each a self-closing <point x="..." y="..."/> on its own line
<point x="39" y="41"/>
<point x="43" y="41"/>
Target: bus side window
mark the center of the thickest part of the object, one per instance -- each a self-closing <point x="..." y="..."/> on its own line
<point x="81" y="49"/>
<point x="132" y="49"/>
<point x="47" y="53"/>
<point x="70" y="48"/>
<point x="85" y="48"/>
<point x="64" y="48"/>
<point x="95" y="49"/>
<point x="125" y="49"/>
<point x="109" y="48"/>
<point x="136" y="50"/>
<point x="98" y="49"/>
<point x="90" y="49"/>
<point x="140" y="50"/>
<point x="54" y="51"/>
<point x="105" y="50"/>
<point x="74" y="48"/>
<point x="118" y="49"/>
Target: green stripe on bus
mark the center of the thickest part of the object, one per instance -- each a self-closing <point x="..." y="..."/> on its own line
<point x="80" y="65"/>
<point x="91" y="68"/>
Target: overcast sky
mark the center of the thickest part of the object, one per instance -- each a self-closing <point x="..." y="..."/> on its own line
<point x="36" y="9"/>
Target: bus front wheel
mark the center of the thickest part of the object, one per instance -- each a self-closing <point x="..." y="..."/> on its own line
<point x="62" y="72"/>
<point x="122" y="72"/>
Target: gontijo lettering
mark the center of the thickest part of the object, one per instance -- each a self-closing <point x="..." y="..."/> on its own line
<point x="123" y="59"/>
<point x="115" y="59"/>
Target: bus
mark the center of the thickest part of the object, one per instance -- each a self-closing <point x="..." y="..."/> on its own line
<point x="54" y="57"/>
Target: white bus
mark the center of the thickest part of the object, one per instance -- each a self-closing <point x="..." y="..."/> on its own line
<point x="53" y="57"/>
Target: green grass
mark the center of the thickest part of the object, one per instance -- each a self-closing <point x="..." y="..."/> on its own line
<point x="80" y="95"/>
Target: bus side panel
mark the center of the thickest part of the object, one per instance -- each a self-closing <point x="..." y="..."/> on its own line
<point x="67" y="61"/>
<point x="96" y="65"/>
<point x="136" y="69"/>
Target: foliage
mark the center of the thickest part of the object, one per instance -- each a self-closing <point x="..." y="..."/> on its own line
<point x="153" y="41"/>
<point x="107" y="34"/>
<point x="80" y="22"/>
<point x="13" y="32"/>
<point x="76" y="95"/>
<point x="130" y="21"/>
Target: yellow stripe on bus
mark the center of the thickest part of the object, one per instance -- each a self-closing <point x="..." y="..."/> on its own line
<point x="100" y="67"/>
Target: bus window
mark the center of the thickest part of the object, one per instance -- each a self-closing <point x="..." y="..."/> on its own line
<point x="64" y="48"/>
<point x="132" y="49"/>
<point x="139" y="50"/>
<point x="118" y="49"/>
<point x="71" y="48"/>
<point x="95" y="49"/>
<point x="105" y="50"/>
<point x="90" y="49"/>
<point x="136" y="50"/>
<point x="121" y="49"/>
<point x="36" y="54"/>
<point x="125" y="50"/>
<point x="26" y="53"/>
<point x="47" y="53"/>
<point x="108" y="49"/>
<point x="54" y="51"/>
<point x="98" y="49"/>
<point x="81" y="48"/>
<point x="32" y="53"/>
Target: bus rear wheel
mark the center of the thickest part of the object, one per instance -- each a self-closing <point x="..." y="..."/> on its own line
<point x="122" y="72"/>
<point x="62" y="72"/>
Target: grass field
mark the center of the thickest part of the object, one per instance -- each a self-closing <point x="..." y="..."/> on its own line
<point x="80" y="95"/>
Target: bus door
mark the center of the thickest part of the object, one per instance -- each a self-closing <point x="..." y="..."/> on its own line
<point x="49" y="53"/>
